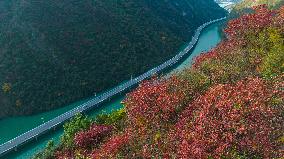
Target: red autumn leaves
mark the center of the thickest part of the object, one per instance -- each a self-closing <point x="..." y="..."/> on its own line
<point x="111" y="147"/>
<point x="153" y="101"/>
<point x="250" y="22"/>
<point x="93" y="136"/>
<point x="230" y="117"/>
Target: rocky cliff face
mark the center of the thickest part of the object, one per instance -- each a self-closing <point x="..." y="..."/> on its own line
<point x="56" y="52"/>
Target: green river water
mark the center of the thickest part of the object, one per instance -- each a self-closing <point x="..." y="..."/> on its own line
<point x="12" y="127"/>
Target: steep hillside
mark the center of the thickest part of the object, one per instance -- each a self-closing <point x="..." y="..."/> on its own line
<point x="245" y="6"/>
<point x="228" y="105"/>
<point x="251" y="3"/>
<point x="56" y="52"/>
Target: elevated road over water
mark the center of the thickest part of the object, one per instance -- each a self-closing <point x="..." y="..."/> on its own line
<point x="52" y="124"/>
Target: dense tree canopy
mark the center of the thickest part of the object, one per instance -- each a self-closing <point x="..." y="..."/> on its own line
<point x="53" y="53"/>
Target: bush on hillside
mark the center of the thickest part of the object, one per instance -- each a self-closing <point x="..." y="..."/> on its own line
<point x="78" y="123"/>
<point x="231" y="116"/>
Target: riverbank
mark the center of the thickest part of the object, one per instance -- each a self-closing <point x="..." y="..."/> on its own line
<point x="203" y="45"/>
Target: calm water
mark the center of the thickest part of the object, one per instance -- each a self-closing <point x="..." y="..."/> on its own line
<point x="12" y="127"/>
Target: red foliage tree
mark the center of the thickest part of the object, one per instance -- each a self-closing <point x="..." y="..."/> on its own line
<point x="279" y="19"/>
<point x="250" y="22"/>
<point x="154" y="100"/>
<point x="111" y="147"/>
<point x="63" y="154"/>
<point x="227" y="117"/>
<point x="93" y="136"/>
<point x="151" y="109"/>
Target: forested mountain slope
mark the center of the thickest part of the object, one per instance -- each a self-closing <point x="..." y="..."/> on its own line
<point x="245" y="6"/>
<point x="251" y="3"/>
<point x="56" y="52"/>
<point x="228" y="105"/>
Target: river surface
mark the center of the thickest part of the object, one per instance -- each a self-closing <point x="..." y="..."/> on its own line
<point x="12" y="127"/>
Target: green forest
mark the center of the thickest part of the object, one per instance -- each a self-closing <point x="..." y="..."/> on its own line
<point x="53" y="53"/>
